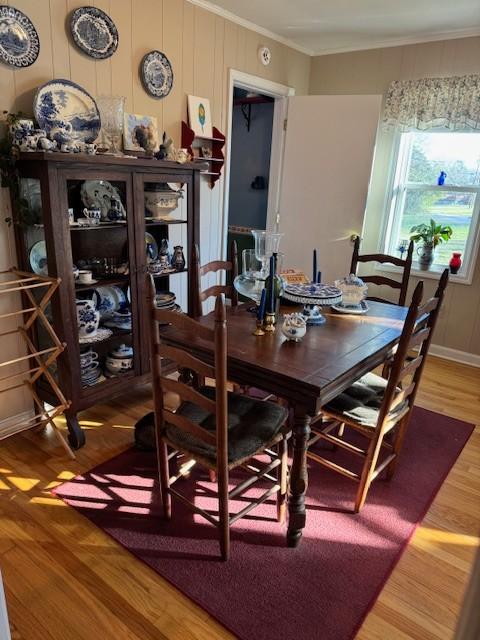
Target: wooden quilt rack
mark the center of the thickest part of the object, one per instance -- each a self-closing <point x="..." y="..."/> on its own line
<point x="37" y="361"/>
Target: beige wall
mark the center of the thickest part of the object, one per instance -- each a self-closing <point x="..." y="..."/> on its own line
<point x="367" y="72"/>
<point x="201" y="47"/>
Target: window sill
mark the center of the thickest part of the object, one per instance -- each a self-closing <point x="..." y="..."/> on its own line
<point x="433" y="273"/>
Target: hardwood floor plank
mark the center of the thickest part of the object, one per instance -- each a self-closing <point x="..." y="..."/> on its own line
<point x="65" y="579"/>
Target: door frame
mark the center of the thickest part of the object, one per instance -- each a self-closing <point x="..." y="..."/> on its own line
<point x="280" y="93"/>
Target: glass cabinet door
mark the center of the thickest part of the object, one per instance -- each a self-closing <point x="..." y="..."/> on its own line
<point x="167" y="251"/>
<point x="102" y="241"/>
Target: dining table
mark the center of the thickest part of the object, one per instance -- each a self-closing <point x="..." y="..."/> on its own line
<point x="305" y="374"/>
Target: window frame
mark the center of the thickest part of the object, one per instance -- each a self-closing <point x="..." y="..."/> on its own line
<point x="397" y="188"/>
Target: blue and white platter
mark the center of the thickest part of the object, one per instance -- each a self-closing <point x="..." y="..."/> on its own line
<point x="358" y="309"/>
<point x="19" y="42"/>
<point x="156" y="74"/>
<point x="94" y="32"/>
<point x="38" y="258"/>
<point x="320" y="294"/>
<point x="64" y="106"/>
<point x="109" y="299"/>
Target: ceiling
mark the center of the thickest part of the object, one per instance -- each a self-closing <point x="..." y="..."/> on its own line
<point x="328" y="26"/>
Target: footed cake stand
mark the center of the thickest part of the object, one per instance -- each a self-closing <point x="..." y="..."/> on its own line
<point x="313" y="297"/>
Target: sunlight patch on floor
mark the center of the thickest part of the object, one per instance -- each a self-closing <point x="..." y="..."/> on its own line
<point x="426" y="535"/>
<point x="48" y="501"/>
<point x="24" y="484"/>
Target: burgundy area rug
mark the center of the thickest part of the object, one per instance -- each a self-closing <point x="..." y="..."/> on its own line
<point x="266" y="591"/>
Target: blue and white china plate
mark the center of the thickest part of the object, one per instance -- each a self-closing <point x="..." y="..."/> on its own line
<point x="38" y="258"/>
<point x="101" y="334"/>
<point x="94" y="32"/>
<point x="61" y="103"/>
<point x="19" y="42"/>
<point x="151" y="247"/>
<point x="156" y="74"/>
<point x="109" y="299"/>
<point x="99" y="194"/>
<point x="355" y="310"/>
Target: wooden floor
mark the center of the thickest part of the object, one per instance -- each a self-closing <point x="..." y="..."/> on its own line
<point x="66" y="580"/>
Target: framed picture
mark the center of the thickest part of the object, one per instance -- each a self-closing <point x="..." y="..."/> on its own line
<point x="140" y="132"/>
<point x="199" y="116"/>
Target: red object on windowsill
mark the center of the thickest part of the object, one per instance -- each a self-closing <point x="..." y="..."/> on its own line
<point x="455" y="262"/>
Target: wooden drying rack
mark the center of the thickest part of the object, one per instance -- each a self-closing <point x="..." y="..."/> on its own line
<point x="34" y="313"/>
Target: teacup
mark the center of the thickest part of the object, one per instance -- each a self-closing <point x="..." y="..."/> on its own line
<point x="85" y="276"/>
<point x="90" y="148"/>
<point x="20" y="129"/>
<point x="92" y="214"/>
<point x="88" y="358"/>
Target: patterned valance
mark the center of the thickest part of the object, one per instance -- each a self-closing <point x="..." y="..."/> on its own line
<point x="450" y="103"/>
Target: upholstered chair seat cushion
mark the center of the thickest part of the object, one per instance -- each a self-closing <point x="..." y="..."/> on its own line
<point x="251" y="424"/>
<point x="362" y="401"/>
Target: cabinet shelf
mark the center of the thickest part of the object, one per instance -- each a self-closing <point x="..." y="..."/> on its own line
<point x="170" y="273"/>
<point x="190" y="142"/>
<point x="99" y="227"/>
<point x="154" y="223"/>
<point x="101" y="282"/>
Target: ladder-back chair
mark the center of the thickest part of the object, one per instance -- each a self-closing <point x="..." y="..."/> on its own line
<point x="217" y="429"/>
<point x="374" y="406"/>
<point x="383" y="258"/>
<point x="230" y="266"/>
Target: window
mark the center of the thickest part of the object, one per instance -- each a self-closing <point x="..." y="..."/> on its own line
<point x="416" y="196"/>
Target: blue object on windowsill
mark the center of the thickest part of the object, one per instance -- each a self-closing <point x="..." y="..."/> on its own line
<point x="441" y="178"/>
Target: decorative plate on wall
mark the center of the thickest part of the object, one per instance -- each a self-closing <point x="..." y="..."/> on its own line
<point x="94" y="32"/>
<point x="19" y="42"/>
<point x="156" y="74"/>
<point x="64" y="106"/>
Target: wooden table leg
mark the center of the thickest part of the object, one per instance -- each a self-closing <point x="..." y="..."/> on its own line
<point x="298" y="477"/>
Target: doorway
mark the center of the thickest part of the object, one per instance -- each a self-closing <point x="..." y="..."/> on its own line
<point x="255" y="139"/>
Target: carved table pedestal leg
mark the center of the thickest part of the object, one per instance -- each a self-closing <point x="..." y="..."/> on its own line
<point x="298" y="477"/>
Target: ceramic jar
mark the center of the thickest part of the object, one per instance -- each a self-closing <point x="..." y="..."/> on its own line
<point x="294" y="326"/>
<point x="88" y="318"/>
<point x="178" y="259"/>
<point x="353" y="290"/>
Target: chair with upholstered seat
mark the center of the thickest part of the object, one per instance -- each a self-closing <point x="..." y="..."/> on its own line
<point x="217" y="429"/>
<point x="230" y="267"/>
<point x="383" y="258"/>
<point x="376" y="407"/>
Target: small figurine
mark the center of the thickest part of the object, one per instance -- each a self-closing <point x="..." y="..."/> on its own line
<point x="165" y="150"/>
<point x="294" y="326"/>
<point x="178" y="259"/>
<point x="441" y="178"/>
<point x="115" y="211"/>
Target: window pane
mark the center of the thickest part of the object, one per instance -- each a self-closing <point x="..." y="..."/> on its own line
<point x="458" y="154"/>
<point x="453" y="208"/>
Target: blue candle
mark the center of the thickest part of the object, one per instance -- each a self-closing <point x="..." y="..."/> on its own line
<point x="272" y="285"/>
<point x="319" y="277"/>
<point x="261" y="308"/>
<point x="314" y="265"/>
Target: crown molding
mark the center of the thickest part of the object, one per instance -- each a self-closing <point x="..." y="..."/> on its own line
<point x="470" y="32"/>
<point x="400" y="42"/>
<point x="228" y="15"/>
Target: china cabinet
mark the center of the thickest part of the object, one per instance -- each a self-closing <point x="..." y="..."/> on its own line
<point x="83" y="220"/>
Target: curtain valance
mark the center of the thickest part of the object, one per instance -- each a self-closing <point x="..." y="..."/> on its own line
<point x="451" y="103"/>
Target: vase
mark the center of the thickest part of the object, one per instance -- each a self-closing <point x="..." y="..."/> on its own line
<point x="178" y="259"/>
<point x="455" y="262"/>
<point x="425" y="256"/>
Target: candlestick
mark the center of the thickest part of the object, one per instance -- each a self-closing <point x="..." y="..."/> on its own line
<point x="259" y="330"/>
<point x="319" y="277"/>
<point x="261" y="307"/>
<point x="271" y="290"/>
<point x="314" y="265"/>
<point x="269" y="324"/>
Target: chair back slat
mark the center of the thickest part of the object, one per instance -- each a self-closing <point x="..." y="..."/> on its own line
<point x="185" y="360"/>
<point x="410" y="368"/>
<point x="430" y="305"/>
<point x="183" y="323"/>
<point x="188" y="393"/>
<point x="417" y="332"/>
<point x="190" y="427"/>
<point x="383" y="280"/>
<point x="198" y="295"/>
<point x="216" y="290"/>
<point x="383" y="258"/>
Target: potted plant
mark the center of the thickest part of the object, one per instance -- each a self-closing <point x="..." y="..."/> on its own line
<point x="432" y="235"/>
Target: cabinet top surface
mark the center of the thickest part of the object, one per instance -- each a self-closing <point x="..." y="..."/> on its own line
<point x="76" y="159"/>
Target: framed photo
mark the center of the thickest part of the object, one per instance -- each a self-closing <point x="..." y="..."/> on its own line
<point x="199" y="116"/>
<point x="139" y="132"/>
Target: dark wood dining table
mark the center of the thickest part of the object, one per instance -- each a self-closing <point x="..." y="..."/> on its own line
<point x="306" y="374"/>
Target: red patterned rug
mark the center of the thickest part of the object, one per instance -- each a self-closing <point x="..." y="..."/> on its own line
<point x="266" y="591"/>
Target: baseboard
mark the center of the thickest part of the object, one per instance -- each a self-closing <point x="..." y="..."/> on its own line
<point x="463" y="357"/>
<point x="15" y="424"/>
